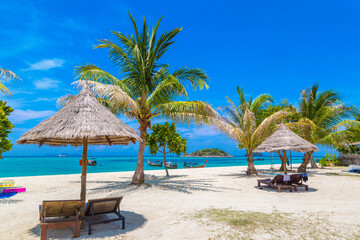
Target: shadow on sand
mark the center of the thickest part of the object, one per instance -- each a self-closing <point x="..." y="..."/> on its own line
<point x="10" y="201"/>
<point x="181" y="183"/>
<point x="178" y="183"/>
<point x="300" y="190"/>
<point x="133" y="221"/>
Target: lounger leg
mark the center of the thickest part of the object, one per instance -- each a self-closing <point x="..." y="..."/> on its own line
<point x="77" y="229"/>
<point x="307" y="188"/>
<point x="295" y="188"/>
<point x="89" y="229"/>
<point x="123" y="223"/>
<point x="279" y="189"/>
<point x="43" y="232"/>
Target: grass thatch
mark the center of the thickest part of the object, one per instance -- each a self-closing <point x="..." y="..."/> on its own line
<point x="83" y="117"/>
<point x="285" y="139"/>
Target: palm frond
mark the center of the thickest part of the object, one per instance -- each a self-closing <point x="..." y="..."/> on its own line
<point x="62" y="101"/>
<point x="7" y="76"/>
<point x="170" y="88"/>
<point x="196" y="77"/>
<point x="118" y="100"/>
<point x="260" y="101"/>
<point x="96" y="74"/>
<point x="186" y="112"/>
<point x="265" y="128"/>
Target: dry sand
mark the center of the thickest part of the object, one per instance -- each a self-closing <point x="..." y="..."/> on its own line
<point x="166" y="207"/>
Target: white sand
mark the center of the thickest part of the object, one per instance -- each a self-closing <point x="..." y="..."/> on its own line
<point x="164" y="209"/>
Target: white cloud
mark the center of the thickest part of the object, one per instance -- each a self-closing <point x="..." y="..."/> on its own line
<point x="21" y="92"/>
<point x="20" y="116"/>
<point x="46" y="83"/>
<point x="41" y="99"/>
<point x="46" y="64"/>
<point x="205" y="132"/>
<point x="192" y="133"/>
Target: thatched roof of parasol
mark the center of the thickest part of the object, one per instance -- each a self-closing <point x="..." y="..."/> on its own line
<point x="83" y="117"/>
<point x="285" y="139"/>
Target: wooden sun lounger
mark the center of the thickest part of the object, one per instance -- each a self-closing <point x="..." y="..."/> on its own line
<point x="51" y="213"/>
<point x="278" y="186"/>
<point x="300" y="184"/>
<point x="103" y="206"/>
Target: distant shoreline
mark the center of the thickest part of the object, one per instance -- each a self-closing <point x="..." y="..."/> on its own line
<point x="208" y="156"/>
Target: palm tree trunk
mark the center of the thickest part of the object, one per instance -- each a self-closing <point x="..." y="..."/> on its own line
<point x="282" y="163"/>
<point x="283" y="159"/>
<point x="167" y="172"/>
<point x="302" y="167"/>
<point x="139" y="176"/>
<point x="84" y="169"/>
<point x="312" y="162"/>
<point x="251" y="170"/>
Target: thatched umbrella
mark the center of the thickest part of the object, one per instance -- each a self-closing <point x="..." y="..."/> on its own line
<point x="284" y="139"/>
<point x="83" y="121"/>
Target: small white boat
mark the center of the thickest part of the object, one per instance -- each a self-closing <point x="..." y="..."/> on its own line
<point x="171" y="165"/>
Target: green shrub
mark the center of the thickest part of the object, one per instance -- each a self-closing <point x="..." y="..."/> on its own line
<point x="324" y="162"/>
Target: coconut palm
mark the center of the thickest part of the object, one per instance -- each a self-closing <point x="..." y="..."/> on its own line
<point x="242" y="123"/>
<point x="322" y="120"/>
<point x="354" y="136"/>
<point x="6" y="76"/>
<point x="147" y="89"/>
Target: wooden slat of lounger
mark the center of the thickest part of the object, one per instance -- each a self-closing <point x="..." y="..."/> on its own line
<point x="277" y="186"/>
<point x="297" y="185"/>
<point x="103" y="205"/>
<point x="61" y="208"/>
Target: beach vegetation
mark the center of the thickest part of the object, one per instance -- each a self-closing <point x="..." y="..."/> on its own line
<point x="323" y="119"/>
<point x="234" y="224"/>
<point x="245" y="123"/>
<point x="165" y="139"/>
<point x="329" y="159"/>
<point x="5" y="127"/>
<point x="145" y="88"/>
<point x="6" y="76"/>
<point x="209" y="152"/>
<point x="354" y="136"/>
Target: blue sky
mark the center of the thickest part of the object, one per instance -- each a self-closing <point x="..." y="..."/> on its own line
<point x="276" y="47"/>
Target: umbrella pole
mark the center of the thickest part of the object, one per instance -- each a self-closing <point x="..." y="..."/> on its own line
<point x="290" y="161"/>
<point x="84" y="169"/>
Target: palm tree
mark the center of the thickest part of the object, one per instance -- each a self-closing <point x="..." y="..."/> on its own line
<point x="243" y="123"/>
<point x="354" y="136"/>
<point x="6" y="76"/>
<point x="147" y="89"/>
<point x="322" y="120"/>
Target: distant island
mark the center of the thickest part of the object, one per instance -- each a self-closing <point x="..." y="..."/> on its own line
<point x="213" y="152"/>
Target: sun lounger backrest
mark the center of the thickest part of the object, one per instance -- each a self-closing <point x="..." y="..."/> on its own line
<point x="295" y="178"/>
<point x="64" y="208"/>
<point x="278" y="179"/>
<point x="102" y="206"/>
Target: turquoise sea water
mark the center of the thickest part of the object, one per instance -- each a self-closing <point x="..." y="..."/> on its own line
<point x="37" y="166"/>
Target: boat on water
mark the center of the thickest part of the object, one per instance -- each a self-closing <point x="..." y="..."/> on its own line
<point x="157" y="163"/>
<point x="256" y="154"/>
<point x="171" y="165"/>
<point x="191" y="165"/>
<point x="92" y="163"/>
<point x="89" y="162"/>
<point x="259" y="159"/>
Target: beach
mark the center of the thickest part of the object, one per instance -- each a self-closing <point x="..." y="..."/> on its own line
<point x="178" y="207"/>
